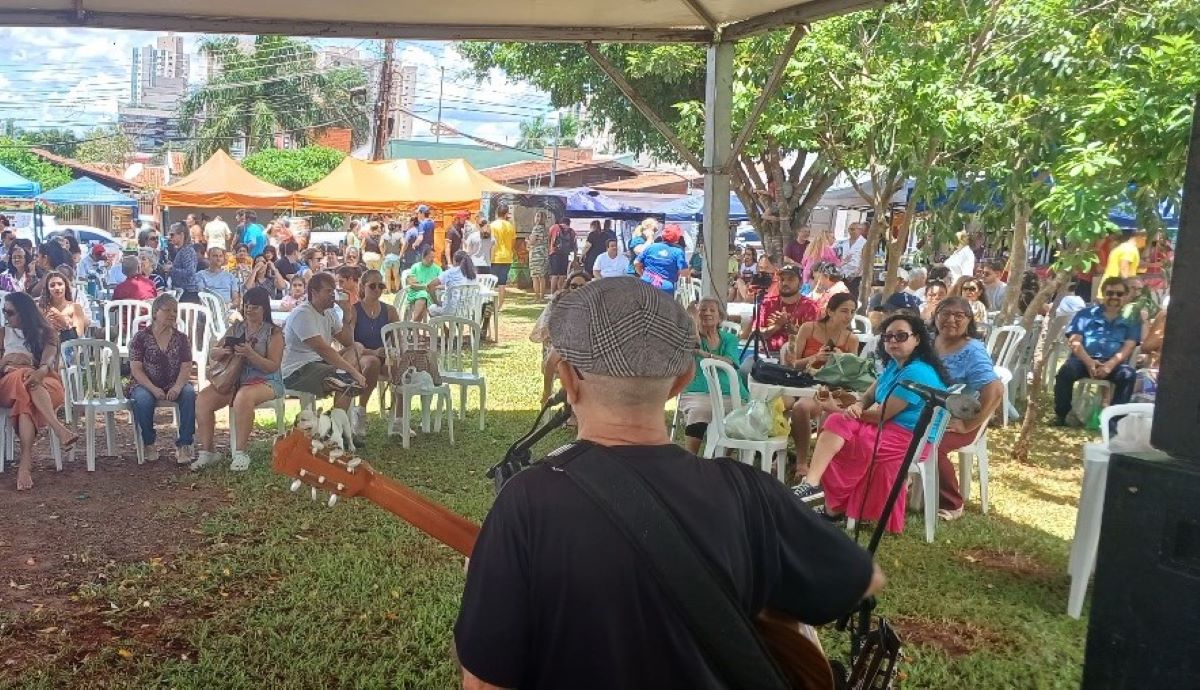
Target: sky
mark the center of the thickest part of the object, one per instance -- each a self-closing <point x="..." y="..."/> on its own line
<point x="54" y="78"/>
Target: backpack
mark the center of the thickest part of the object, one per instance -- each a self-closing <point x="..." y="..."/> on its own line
<point x="564" y="239"/>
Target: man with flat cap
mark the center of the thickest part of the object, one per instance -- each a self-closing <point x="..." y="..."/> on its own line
<point x="558" y="596"/>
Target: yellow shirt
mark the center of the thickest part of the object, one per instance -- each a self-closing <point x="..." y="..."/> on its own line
<point x="1126" y="251"/>
<point x="505" y="235"/>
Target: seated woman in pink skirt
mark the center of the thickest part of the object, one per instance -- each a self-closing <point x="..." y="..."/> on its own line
<point x="842" y="469"/>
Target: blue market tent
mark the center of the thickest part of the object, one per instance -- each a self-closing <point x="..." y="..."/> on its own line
<point x="1125" y="215"/>
<point x="690" y="209"/>
<point x="13" y="186"/>
<point x="87" y="192"/>
<point x="588" y="203"/>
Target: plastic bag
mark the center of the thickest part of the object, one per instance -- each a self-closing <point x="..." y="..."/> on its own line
<point x="1133" y="434"/>
<point x="750" y="423"/>
<point x="1085" y="408"/>
<point x="844" y="370"/>
<point x="781" y="426"/>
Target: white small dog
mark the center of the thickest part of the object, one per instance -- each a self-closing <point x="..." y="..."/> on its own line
<point x="332" y="428"/>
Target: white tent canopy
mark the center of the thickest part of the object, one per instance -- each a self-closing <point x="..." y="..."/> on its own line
<point x="696" y="21"/>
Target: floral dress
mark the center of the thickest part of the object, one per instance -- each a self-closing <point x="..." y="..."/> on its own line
<point x="161" y="366"/>
<point x="539" y="251"/>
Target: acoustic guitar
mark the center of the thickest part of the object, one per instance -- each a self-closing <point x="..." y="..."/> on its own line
<point x="793" y="645"/>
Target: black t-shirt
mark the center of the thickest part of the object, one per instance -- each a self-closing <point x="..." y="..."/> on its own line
<point x="454" y="238"/>
<point x="286" y="268"/>
<point x="557" y="598"/>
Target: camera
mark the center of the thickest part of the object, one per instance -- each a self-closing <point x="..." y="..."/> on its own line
<point x="761" y="281"/>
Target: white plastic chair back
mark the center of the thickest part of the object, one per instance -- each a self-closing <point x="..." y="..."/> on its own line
<point x="687" y="292"/>
<point x="713" y="371"/>
<point x="189" y="320"/>
<point x="457" y="344"/>
<point x="3" y="321"/>
<point x="119" y="318"/>
<point x="95" y="373"/>
<point x="487" y="281"/>
<point x="861" y="325"/>
<point x="216" y="311"/>
<point x="1107" y="414"/>
<point x="400" y="336"/>
<point x="400" y="300"/>
<point x="1004" y="344"/>
<point x="465" y="302"/>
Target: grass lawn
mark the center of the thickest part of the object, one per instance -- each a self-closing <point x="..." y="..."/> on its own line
<point x="280" y="592"/>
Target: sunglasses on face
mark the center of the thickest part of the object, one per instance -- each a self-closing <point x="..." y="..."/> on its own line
<point x="375" y="286"/>
<point x="970" y="288"/>
<point x="897" y="337"/>
<point x="1114" y="293"/>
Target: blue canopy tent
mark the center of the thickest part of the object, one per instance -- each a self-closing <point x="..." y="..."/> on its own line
<point x="13" y="186"/>
<point x="690" y="209"/>
<point x="1125" y="215"/>
<point x="583" y="202"/>
<point x="87" y="192"/>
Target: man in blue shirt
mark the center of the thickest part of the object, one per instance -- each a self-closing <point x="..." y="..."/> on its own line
<point x="1101" y="343"/>
<point x="254" y="236"/>
<point x="663" y="263"/>
<point x="426" y="226"/>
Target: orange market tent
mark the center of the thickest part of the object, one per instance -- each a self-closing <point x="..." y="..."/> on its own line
<point x="449" y="185"/>
<point x="223" y="183"/>
<point x="398" y="186"/>
<point x="354" y="186"/>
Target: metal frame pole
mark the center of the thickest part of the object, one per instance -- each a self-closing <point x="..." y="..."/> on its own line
<point x="718" y="131"/>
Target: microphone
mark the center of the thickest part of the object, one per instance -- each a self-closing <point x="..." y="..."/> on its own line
<point x="958" y="404"/>
<point x="558" y="398"/>
<point x="518" y="456"/>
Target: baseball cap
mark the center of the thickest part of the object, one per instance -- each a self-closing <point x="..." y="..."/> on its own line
<point x="789" y="268"/>
<point x="902" y="300"/>
<point x="422" y="209"/>
<point x="624" y="328"/>
<point x="462" y="215"/>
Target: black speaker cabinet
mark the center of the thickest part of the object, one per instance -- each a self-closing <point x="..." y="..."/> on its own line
<point x="1144" y="630"/>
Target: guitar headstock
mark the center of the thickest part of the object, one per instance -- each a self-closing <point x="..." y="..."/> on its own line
<point x="335" y="471"/>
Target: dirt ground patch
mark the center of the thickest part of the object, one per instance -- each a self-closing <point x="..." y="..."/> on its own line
<point x="954" y="637"/>
<point x="1012" y="562"/>
<point x="76" y="527"/>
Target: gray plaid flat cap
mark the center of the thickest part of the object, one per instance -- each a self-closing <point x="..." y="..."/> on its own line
<point x="622" y="327"/>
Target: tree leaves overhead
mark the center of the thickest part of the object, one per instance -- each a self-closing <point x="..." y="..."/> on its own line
<point x="274" y="89"/>
<point x="15" y="156"/>
<point x="293" y="169"/>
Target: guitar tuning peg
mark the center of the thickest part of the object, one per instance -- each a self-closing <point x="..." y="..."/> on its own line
<point x="321" y="479"/>
<point x="303" y="472"/>
<point x="296" y="485"/>
<point x="332" y="500"/>
<point x="314" y="493"/>
<point x="354" y="462"/>
<point x="341" y="486"/>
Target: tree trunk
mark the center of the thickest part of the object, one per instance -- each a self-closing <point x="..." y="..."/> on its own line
<point x="1018" y="261"/>
<point x="1034" y="402"/>
<point x="874" y="234"/>
<point x="895" y="251"/>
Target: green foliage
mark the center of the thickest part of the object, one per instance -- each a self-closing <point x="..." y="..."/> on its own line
<point x="105" y="145"/>
<point x="537" y="134"/>
<point x="274" y="89"/>
<point x="61" y="141"/>
<point x="15" y="156"/>
<point x="293" y="169"/>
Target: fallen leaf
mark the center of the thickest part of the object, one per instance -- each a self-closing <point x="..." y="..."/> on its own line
<point x="124" y="653"/>
<point x="30" y="561"/>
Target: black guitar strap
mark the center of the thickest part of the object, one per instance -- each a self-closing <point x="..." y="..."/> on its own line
<point x="716" y="620"/>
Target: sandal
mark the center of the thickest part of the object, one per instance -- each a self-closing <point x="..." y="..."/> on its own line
<point x="240" y="462"/>
<point x="950" y="515"/>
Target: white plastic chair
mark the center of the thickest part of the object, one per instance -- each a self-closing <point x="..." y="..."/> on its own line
<point x="93" y="385"/>
<point x="216" y="311"/>
<point x="397" y="338"/>
<point x="276" y="404"/>
<point x="861" y="325"/>
<point x="716" y="440"/>
<point x="1004" y="345"/>
<point x="190" y="320"/>
<point x="8" y="441"/>
<point x="120" y="317"/>
<point x="400" y="300"/>
<point x="487" y="281"/>
<point x="688" y="292"/>
<point x="977" y="454"/>
<point x="925" y="467"/>
<point x="1082" y="560"/>
<point x="465" y="301"/>
<point x="456" y="341"/>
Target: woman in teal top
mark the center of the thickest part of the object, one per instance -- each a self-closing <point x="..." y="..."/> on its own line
<point x="419" y="277"/>
<point x="712" y="342"/>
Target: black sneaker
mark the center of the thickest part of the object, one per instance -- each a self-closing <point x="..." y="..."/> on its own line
<point x="342" y="384"/>
<point x="1059" y="421"/>
<point x="809" y="493"/>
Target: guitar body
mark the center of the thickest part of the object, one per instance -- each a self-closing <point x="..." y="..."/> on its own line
<point x="793" y="645"/>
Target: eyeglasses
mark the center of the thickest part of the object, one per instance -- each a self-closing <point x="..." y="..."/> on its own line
<point x="376" y="286"/>
<point x="953" y="316"/>
<point x="1114" y="293"/>
<point x="898" y="337"/>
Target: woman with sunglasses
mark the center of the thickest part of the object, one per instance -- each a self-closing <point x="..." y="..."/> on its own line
<point x="958" y="344"/>
<point x="29" y="383"/>
<point x="972" y="290"/>
<point x="367" y="318"/>
<point x="20" y="276"/>
<point x="855" y="479"/>
<point x="259" y="342"/>
<point x="541" y="334"/>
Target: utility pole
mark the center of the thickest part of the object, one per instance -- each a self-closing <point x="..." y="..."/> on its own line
<point x="554" y="160"/>
<point x="384" y="105"/>
<point x="441" y="86"/>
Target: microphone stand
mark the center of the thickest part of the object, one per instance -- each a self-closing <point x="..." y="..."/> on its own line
<point x="862" y="625"/>
<point x="518" y="455"/>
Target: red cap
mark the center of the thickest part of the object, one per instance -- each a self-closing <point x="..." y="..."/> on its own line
<point x="97" y="249"/>
<point x="672" y="233"/>
<point x="462" y="215"/>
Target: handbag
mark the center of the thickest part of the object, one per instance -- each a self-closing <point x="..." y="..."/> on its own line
<point x="417" y="358"/>
<point x="844" y="370"/>
<point x="712" y="613"/>
<point x="778" y="375"/>
<point x="224" y="376"/>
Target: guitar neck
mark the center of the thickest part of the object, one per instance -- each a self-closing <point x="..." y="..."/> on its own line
<point x="436" y="520"/>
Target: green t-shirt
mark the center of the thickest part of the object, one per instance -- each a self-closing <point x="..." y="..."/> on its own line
<point x="423" y="275"/>
<point x="728" y="347"/>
